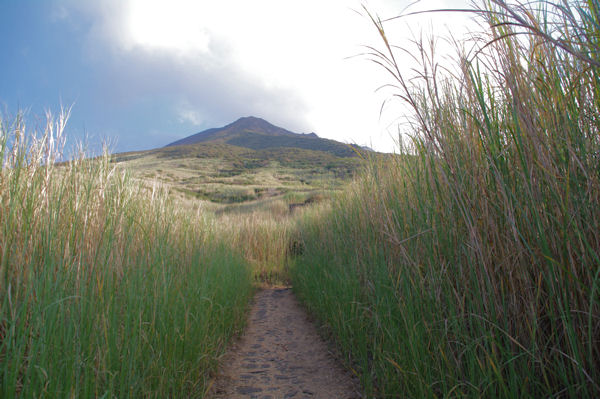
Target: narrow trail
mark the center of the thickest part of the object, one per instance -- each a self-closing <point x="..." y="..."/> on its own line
<point x="281" y="355"/>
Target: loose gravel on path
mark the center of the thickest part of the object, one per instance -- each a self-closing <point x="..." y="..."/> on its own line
<point x="281" y="355"/>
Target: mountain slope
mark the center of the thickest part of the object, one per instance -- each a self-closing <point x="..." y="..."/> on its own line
<point x="258" y="134"/>
<point x="249" y="162"/>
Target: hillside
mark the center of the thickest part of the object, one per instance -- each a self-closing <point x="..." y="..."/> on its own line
<point x="249" y="160"/>
<point x="258" y="134"/>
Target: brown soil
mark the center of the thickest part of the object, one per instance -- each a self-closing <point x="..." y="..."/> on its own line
<point x="281" y="355"/>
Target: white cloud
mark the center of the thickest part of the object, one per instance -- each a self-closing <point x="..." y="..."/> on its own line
<point x="170" y="24"/>
<point x="285" y="61"/>
<point x="188" y="114"/>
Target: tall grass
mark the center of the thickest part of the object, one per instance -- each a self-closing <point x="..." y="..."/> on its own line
<point x="106" y="289"/>
<point x="470" y="266"/>
<point x="263" y="237"/>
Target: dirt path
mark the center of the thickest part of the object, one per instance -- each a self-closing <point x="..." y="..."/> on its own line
<point x="281" y="356"/>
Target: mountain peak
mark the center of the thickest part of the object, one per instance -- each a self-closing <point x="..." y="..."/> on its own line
<point x="250" y="119"/>
<point x="258" y="134"/>
<point x="254" y="124"/>
<point x="247" y="124"/>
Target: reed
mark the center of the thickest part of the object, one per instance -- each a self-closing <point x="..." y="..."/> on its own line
<point x="263" y="237"/>
<point x="470" y="265"/>
<point x="107" y="289"/>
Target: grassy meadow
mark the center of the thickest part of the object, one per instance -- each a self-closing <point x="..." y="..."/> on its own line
<point x="216" y="175"/>
<point x="470" y="265"/>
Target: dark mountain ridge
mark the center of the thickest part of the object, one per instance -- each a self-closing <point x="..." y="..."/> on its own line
<point x="258" y="134"/>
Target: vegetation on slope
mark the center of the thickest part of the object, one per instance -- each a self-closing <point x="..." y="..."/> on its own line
<point x="256" y="133"/>
<point x="107" y="289"/>
<point x="252" y="196"/>
<point x="257" y="141"/>
<point x="225" y="174"/>
<point x="470" y="267"/>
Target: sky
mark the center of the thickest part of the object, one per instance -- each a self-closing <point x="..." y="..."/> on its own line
<point x="140" y="74"/>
